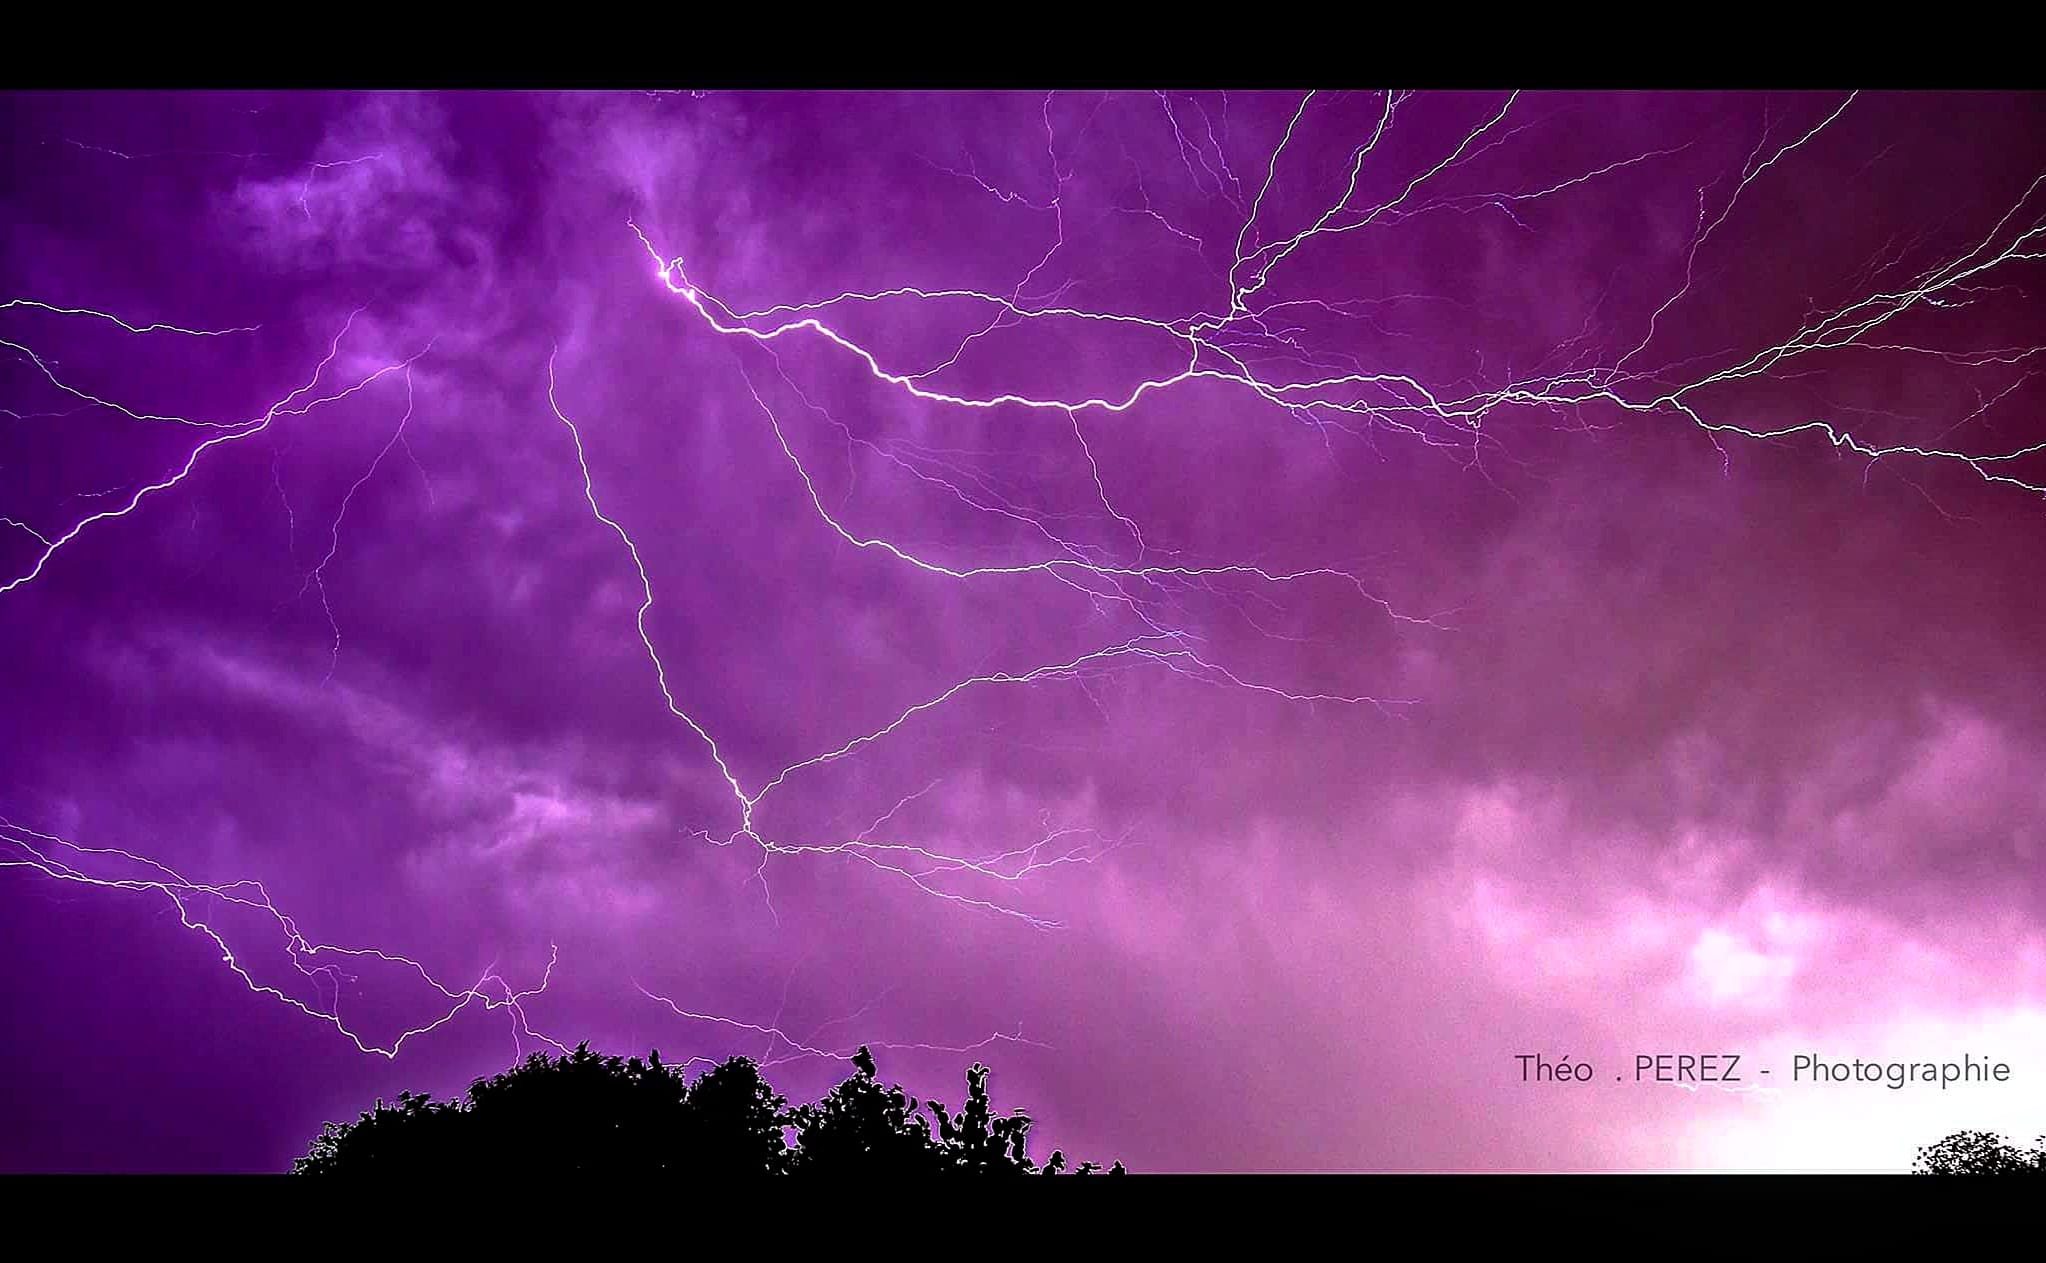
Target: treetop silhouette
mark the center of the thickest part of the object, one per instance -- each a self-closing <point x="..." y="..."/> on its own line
<point x="597" y="1114"/>
<point x="1980" y="1153"/>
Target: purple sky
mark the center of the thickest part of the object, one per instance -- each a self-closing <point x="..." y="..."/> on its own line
<point x="1243" y="612"/>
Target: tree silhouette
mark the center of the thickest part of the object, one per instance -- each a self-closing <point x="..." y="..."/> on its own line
<point x="860" y="1126"/>
<point x="1980" y="1153"/>
<point x="596" y="1114"/>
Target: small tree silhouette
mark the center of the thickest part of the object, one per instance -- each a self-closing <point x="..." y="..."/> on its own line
<point x="1980" y="1153"/>
<point x="590" y="1113"/>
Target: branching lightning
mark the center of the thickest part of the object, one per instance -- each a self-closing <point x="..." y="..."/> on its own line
<point x="1251" y="338"/>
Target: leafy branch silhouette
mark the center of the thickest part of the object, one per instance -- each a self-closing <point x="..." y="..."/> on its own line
<point x="597" y="1114"/>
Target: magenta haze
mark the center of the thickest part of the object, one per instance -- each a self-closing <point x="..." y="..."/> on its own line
<point x="1244" y="612"/>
